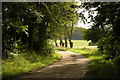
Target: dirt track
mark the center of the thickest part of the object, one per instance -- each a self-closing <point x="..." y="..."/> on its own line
<point x="71" y="65"/>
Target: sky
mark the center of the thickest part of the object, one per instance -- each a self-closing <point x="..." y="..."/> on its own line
<point x="81" y="24"/>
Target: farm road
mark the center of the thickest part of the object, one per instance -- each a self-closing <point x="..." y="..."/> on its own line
<point x="72" y="65"/>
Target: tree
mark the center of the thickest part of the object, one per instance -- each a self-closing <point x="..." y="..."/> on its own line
<point x="107" y="22"/>
<point x="33" y="24"/>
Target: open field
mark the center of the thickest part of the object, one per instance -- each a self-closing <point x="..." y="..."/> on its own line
<point x="76" y="43"/>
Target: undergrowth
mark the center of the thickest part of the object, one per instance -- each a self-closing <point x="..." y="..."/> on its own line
<point x="25" y="62"/>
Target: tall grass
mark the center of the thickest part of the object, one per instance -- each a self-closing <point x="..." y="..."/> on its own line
<point x="26" y="62"/>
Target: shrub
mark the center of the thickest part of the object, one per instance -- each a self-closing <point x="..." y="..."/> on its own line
<point x="117" y="60"/>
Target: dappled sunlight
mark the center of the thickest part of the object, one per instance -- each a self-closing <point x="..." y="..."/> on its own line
<point x="71" y="65"/>
<point x="96" y="58"/>
<point x="83" y="52"/>
<point x="98" y="67"/>
<point x="41" y="36"/>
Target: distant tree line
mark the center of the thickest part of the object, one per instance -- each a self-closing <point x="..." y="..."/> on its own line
<point x="77" y="34"/>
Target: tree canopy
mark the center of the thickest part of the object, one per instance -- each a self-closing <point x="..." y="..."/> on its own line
<point x="30" y="26"/>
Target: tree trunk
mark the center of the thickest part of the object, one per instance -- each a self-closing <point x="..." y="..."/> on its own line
<point x="61" y="42"/>
<point x="65" y="42"/>
<point x="42" y="35"/>
<point x="70" y="42"/>
<point x="56" y="43"/>
<point x="30" y="38"/>
<point x="70" y="37"/>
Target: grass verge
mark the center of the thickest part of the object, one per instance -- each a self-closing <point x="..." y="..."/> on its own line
<point x="62" y="49"/>
<point x="98" y="67"/>
<point x="26" y="62"/>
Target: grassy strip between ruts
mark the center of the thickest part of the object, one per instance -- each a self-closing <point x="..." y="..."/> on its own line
<point x="98" y="67"/>
<point x="26" y="62"/>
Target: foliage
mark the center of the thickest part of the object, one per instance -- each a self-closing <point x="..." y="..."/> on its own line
<point x="29" y="26"/>
<point x="33" y="24"/>
<point x="107" y="22"/>
<point x="88" y="34"/>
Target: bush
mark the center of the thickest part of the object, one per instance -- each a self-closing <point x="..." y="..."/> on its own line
<point x="47" y="50"/>
<point x="117" y="60"/>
